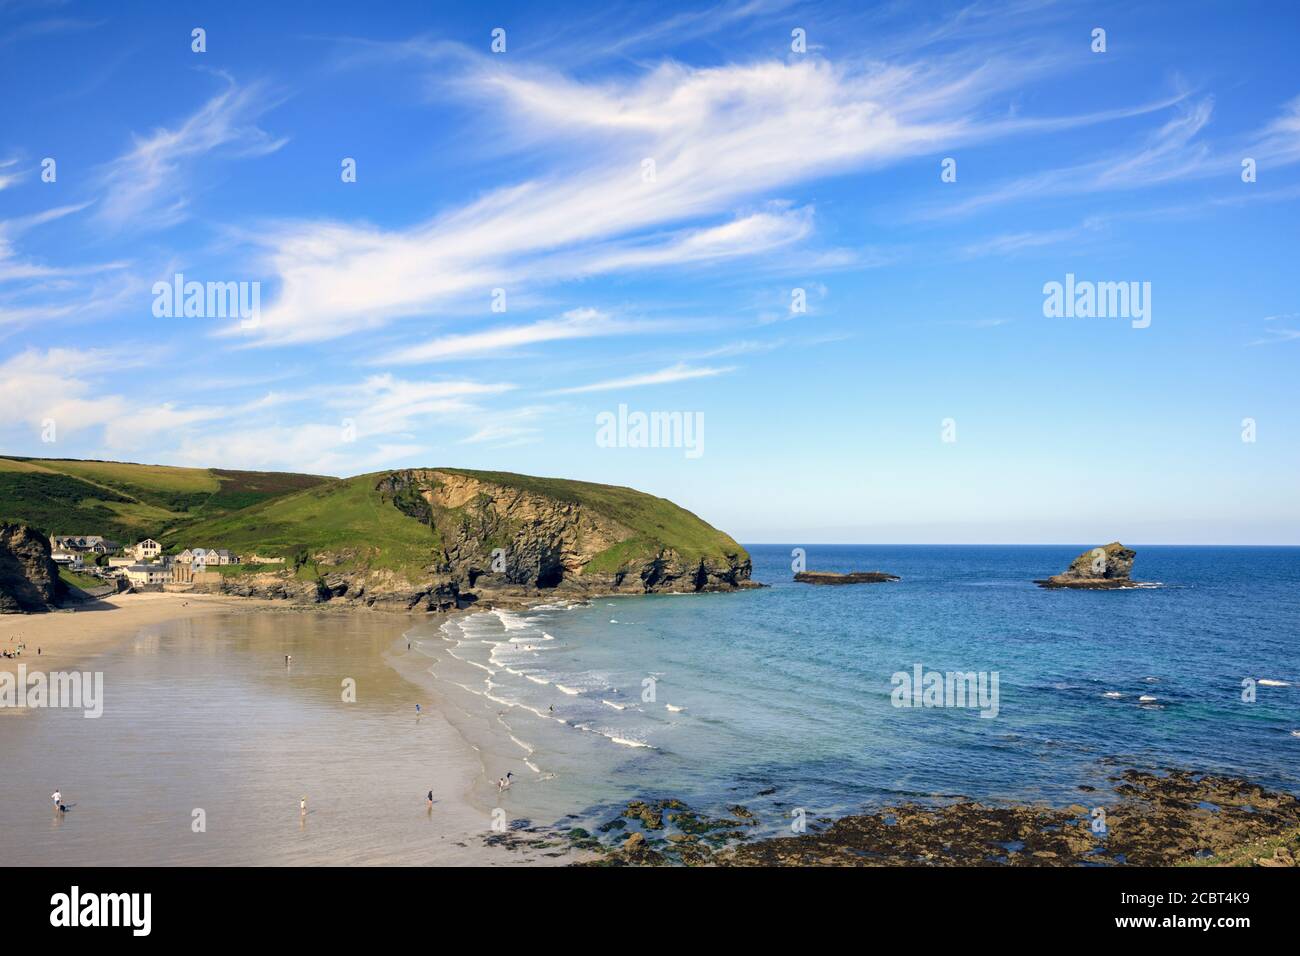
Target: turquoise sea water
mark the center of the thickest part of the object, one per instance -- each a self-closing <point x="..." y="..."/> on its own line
<point x="781" y="698"/>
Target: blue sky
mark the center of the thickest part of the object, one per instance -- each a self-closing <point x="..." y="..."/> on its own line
<point x="377" y="345"/>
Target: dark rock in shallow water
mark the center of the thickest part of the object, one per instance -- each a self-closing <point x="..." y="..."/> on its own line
<point x="1157" y="820"/>
<point x="1096" y="569"/>
<point x="854" y="577"/>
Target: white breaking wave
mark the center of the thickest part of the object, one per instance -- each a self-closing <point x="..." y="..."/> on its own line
<point x="567" y="690"/>
<point x="674" y="709"/>
<point x="610" y="703"/>
<point x="1267" y="682"/>
<point x="1147" y="699"/>
<point x="1112" y="694"/>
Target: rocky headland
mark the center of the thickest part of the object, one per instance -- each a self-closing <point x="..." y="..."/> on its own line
<point x="458" y="539"/>
<point x="1103" y="568"/>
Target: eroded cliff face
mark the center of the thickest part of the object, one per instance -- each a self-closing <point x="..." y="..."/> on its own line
<point x="503" y="539"/>
<point x="29" y="578"/>
<point x="500" y="545"/>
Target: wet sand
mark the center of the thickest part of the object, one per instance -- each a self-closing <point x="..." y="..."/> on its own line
<point x="68" y="636"/>
<point x="208" y="741"/>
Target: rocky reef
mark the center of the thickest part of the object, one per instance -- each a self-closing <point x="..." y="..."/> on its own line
<point x="1167" y="818"/>
<point x="29" y="578"/>
<point x="853" y="577"/>
<point x="1096" y="569"/>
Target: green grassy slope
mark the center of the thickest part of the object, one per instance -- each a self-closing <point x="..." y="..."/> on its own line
<point x="351" y="517"/>
<point x="345" y="516"/>
<point x="127" y="501"/>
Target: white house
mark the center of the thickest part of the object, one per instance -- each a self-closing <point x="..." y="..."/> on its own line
<point x="142" y="574"/>
<point x="147" y="550"/>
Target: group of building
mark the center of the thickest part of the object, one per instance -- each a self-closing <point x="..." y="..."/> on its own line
<point x="141" y="564"/>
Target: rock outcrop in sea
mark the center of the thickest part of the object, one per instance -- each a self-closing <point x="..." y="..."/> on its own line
<point x="853" y="577"/>
<point x="29" y="578"/>
<point x="1096" y="569"/>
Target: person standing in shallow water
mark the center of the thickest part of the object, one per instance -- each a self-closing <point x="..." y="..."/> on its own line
<point x="429" y="798"/>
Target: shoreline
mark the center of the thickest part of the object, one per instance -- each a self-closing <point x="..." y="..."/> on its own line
<point x="1175" y="817"/>
<point x="78" y="631"/>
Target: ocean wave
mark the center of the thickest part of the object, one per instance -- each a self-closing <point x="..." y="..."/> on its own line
<point x="1269" y="682"/>
<point x="675" y="709"/>
<point x="567" y="690"/>
<point x="610" y="703"/>
<point x="509" y="620"/>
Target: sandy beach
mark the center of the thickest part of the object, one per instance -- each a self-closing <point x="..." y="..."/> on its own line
<point x="68" y="636"/>
<point x="203" y="715"/>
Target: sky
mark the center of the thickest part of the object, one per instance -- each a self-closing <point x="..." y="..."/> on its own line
<point x="823" y="233"/>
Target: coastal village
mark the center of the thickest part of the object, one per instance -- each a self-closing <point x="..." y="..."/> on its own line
<point x="143" y="566"/>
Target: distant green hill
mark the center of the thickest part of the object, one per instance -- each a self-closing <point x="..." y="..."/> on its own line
<point x="127" y="501"/>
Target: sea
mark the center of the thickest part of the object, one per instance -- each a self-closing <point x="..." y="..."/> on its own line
<point x="797" y="700"/>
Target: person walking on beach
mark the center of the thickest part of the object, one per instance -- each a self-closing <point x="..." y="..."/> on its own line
<point x="57" y="797"/>
<point x="429" y="798"/>
<point x="302" y="806"/>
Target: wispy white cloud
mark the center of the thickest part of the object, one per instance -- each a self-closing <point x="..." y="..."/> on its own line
<point x="1009" y="244"/>
<point x="148" y="186"/>
<point x="574" y="324"/>
<point x="8" y="173"/>
<point x="719" y="138"/>
<point x="677" y="373"/>
<point x="1280" y="332"/>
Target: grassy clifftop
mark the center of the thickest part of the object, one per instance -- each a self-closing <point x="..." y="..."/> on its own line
<point x="128" y="501"/>
<point x="346" y="517"/>
<point x="353" y="517"/>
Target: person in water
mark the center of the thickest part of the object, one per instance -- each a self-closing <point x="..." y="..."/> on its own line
<point x="430" y="799"/>
<point x="504" y="782"/>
